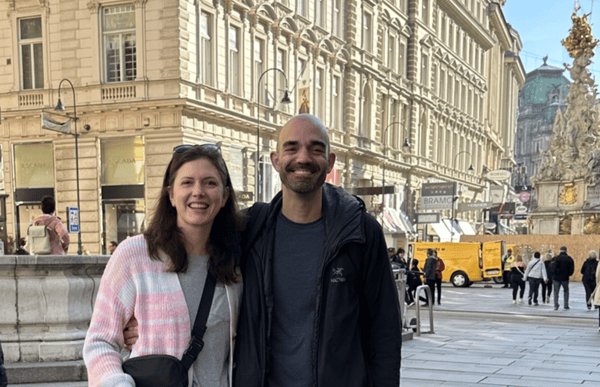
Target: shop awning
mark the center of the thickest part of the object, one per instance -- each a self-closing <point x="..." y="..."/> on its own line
<point x="442" y="231"/>
<point x="396" y="222"/>
<point x="466" y="228"/>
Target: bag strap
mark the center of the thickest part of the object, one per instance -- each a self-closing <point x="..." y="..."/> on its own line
<point x="196" y="344"/>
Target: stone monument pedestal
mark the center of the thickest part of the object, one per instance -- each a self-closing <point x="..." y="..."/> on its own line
<point x="563" y="208"/>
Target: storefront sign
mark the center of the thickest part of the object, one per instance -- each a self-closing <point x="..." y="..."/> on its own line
<point x="473" y="206"/>
<point x="123" y="161"/>
<point x="428" y="218"/>
<point x="437" y="196"/>
<point x="34" y="165"/>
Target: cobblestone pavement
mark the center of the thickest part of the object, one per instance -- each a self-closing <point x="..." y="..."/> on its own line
<point x="482" y="339"/>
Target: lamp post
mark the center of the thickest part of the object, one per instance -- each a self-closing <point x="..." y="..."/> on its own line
<point x="454" y="198"/>
<point x="60" y="106"/>
<point x="286" y="99"/>
<point x="406" y="146"/>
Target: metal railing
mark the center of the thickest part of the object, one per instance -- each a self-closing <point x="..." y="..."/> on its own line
<point x="429" y="303"/>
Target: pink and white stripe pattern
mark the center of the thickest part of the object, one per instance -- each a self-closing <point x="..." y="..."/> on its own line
<point x="134" y="285"/>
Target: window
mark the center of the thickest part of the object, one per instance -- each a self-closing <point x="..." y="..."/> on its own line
<point x="31" y="50"/>
<point x="281" y="84"/>
<point x="365" y="128"/>
<point x="336" y="101"/>
<point x="319" y="95"/>
<point x="234" y="61"/>
<point x="443" y="28"/>
<point x="451" y="37"/>
<point x="301" y="4"/>
<point x="206" y="56"/>
<point x="319" y="13"/>
<point x="367" y="32"/>
<point x="391" y="53"/>
<point x="337" y="18"/>
<point x="259" y="60"/>
<point x="120" y="58"/>
<point x="402" y="59"/>
<point x="424" y="71"/>
<point x="442" y="90"/>
<point x="425" y="15"/>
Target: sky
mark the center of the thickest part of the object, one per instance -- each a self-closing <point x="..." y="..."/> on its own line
<point x="542" y="24"/>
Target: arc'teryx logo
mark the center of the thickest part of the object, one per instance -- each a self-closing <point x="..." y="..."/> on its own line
<point x="337" y="275"/>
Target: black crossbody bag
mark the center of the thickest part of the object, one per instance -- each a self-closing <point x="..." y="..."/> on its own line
<point x="166" y="370"/>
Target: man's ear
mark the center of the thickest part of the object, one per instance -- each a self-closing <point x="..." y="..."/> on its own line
<point x="275" y="160"/>
<point x="330" y="162"/>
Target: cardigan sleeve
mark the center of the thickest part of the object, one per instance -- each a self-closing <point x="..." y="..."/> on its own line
<point x="113" y="308"/>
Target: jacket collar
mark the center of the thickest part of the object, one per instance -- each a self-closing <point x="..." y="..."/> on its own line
<point x="341" y="214"/>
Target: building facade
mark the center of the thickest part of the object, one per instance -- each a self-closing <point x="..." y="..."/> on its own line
<point x="544" y="94"/>
<point x="441" y="76"/>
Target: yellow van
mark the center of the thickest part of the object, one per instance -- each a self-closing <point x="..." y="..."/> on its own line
<point x="465" y="262"/>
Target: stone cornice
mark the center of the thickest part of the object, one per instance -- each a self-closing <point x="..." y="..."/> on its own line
<point x="466" y="21"/>
<point x="500" y="26"/>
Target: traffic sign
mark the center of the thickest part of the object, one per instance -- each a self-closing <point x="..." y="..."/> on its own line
<point x="524" y="197"/>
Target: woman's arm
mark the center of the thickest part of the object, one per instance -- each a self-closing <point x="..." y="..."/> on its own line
<point x="104" y="339"/>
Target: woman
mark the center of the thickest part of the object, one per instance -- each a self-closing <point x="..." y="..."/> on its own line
<point x="517" y="271"/>
<point x="535" y="274"/>
<point x="547" y="286"/>
<point x="158" y="277"/>
<point x="59" y="237"/>
<point x="588" y="276"/>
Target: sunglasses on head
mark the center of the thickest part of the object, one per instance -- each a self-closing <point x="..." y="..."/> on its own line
<point x="184" y="147"/>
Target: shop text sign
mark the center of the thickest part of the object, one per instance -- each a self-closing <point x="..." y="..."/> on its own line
<point x="437" y="196"/>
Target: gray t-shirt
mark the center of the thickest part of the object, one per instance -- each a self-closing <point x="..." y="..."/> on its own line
<point x="211" y="367"/>
<point x="298" y="250"/>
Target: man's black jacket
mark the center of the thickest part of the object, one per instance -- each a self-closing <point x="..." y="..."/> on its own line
<point x="357" y="335"/>
<point x="564" y="267"/>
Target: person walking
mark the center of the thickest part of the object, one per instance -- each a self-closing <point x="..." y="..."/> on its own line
<point x="507" y="262"/>
<point x="59" y="237"/>
<point x="439" y="268"/>
<point x="563" y="269"/>
<point x="588" y="276"/>
<point x="320" y="306"/>
<point x="535" y="274"/>
<point x="517" y="273"/>
<point x="429" y="273"/>
<point x="549" y="262"/>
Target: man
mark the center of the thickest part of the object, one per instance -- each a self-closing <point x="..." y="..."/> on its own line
<point x="320" y="306"/>
<point x="563" y="269"/>
<point x="429" y="272"/>
<point x="112" y="246"/>
<point x="506" y="264"/>
<point x="392" y="254"/>
<point x="439" y="268"/>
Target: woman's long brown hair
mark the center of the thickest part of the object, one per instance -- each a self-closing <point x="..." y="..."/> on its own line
<point x="224" y="246"/>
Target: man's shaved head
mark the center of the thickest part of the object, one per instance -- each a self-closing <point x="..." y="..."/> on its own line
<point x="304" y="120"/>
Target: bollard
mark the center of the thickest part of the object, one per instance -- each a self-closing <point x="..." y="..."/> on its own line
<point x="429" y="302"/>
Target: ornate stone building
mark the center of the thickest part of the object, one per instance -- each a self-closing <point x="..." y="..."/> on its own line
<point x="442" y="75"/>
<point x="543" y="95"/>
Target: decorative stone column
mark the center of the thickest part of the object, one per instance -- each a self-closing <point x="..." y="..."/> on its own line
<point x="46" y="305"/>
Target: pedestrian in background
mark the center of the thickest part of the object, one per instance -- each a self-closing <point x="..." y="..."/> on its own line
<point x="400" y="258"/>
<point x="59" y="237"/>
<point x="413" y="280"/>
<point x="439" y="268"/>
<point x="549" y="262"/>
<point x="596" y="295"/>
<point x="507" y="262"/>
<point x="112" y="246"/>
<point x="563" y="269"/>
<point x="429" y="272"/>
<point x="535" y="274"/>
<point x="21" y="250"/>
<point x="517" y="273"/>
<point x="588" y="276"/>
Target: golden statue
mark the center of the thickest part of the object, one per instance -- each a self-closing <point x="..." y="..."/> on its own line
<point x="580" y="39"/>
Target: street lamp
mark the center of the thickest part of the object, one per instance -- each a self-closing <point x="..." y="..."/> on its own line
<point x="60" y="107"/>
<point x="406" y="146"/>
<point x="286" y="99"/>
<point x="454" y="197"/>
